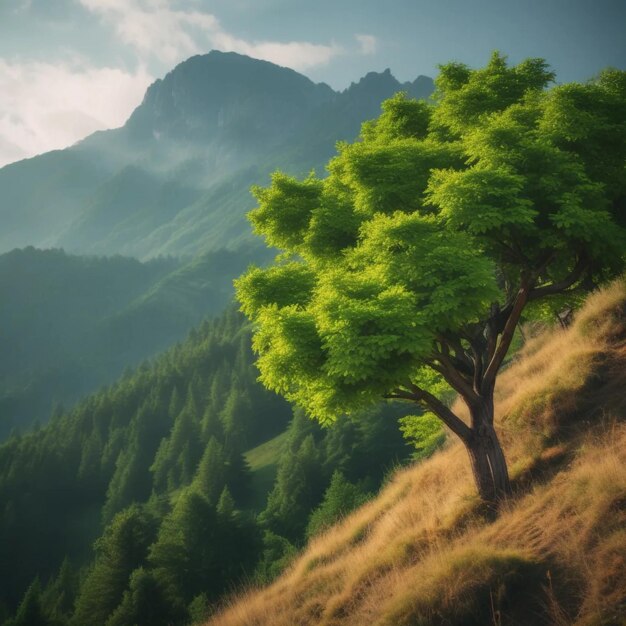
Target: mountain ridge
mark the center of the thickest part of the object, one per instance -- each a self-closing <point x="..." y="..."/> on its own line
<point x="215" y="121"/>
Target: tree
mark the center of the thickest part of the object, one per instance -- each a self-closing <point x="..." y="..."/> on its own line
<point x="340" y="498"/>
<point x="122" y="549"/>
<point x="298" y="488"/>
<point x="30" y="612"/>
<point x="405" y="271"/>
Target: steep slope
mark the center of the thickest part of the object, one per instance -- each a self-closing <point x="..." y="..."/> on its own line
<point x="425" y="553"/>
<point x="70" y="324"/>
<point x="156" y="466"/>
<point x="143" y="435"/>
<point x="175" y="178"/>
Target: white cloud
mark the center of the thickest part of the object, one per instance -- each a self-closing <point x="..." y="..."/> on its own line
<point x="298" y="55"/>
<point x="368" y="44"/>
<point x="48" y="105"/>
<point x="156" y="30"/>
<point x="44" y="106"/>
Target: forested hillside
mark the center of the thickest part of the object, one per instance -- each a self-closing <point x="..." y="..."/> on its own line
<point x="71" y="324"/>
<point x="151" y="472"/>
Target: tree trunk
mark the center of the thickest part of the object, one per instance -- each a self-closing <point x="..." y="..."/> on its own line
<point x="487" y="458"/>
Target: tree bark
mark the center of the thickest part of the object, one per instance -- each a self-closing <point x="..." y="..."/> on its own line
<point x="486" y="456"/>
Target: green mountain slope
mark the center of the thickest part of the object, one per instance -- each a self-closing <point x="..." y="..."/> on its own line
<point x="174" y="179"/>
<point x="154" y="467"/>
<point x="71" y="324"/>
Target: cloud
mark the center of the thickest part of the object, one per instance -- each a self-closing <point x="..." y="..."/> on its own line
<point x="155" y="29"/>
<point x="368" y="44"/>
<point x="298" y="55"/>
<point x="44" y="106"/>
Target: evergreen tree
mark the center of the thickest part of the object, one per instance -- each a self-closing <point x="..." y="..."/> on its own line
<point x="340" y="498"/>
<point x="122" y="548"/>
<point x="30" y="611"/>
<point x="277" y="553"/>
<point x="226" y="505"/>
<point x="60" y="594"/>
<point x="144" y="604"/>
<point x="212" y="471"/>
<point x="298" y="488"/>
<point x="199" y="609"/>
<point x="186" y="554"/>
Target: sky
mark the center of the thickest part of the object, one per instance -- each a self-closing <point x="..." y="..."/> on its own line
<point x="70" y="67"/>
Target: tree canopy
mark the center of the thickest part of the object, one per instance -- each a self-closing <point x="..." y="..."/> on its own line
<point x="407" y="268"/>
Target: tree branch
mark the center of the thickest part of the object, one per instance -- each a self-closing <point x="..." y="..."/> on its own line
<point x="560" y="286"/>
<point x="461" y="359"/>
<point x="507" y="335"/>
<point x="452" y="421"/>
<point x="454" y="378"/>
<point x="477" y="345"/>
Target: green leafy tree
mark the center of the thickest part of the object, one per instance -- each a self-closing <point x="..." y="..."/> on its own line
<point x="408" y="267"/>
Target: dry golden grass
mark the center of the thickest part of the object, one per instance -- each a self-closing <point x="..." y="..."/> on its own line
<point x="423" y="553"/>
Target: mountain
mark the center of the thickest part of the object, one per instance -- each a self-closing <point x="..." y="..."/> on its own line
<point x="174" y="179"/>
<point x="70" y="324"/>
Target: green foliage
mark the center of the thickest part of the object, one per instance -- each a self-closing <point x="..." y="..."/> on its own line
<point x="402" y="118"/>
<point x="122" y="549"/>
<point x="451" y="206"/>
<point x="277" y="553"/>
<point x="340" y="498"/>
<point x="423" y="432"/>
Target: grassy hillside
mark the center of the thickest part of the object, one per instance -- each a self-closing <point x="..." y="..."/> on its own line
<point x="424" y="552"/>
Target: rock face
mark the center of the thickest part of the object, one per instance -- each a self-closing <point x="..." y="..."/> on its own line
<point x="175" y="178"/>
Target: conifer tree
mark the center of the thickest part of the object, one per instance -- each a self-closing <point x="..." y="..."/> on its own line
<point x="226" y="505"/>
<point x="144" y="604"/>
<point x="60" y="594"/>
<point x="298" y="488"/>
<point x="30" y="611"/>
<point x="122" y="548"/>
<point x="212" y="472"/>
<point x="340" y="498"/>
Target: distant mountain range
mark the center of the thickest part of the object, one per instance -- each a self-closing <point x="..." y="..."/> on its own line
<point x="70" y="324"/>
<point x="174" y="179"/>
